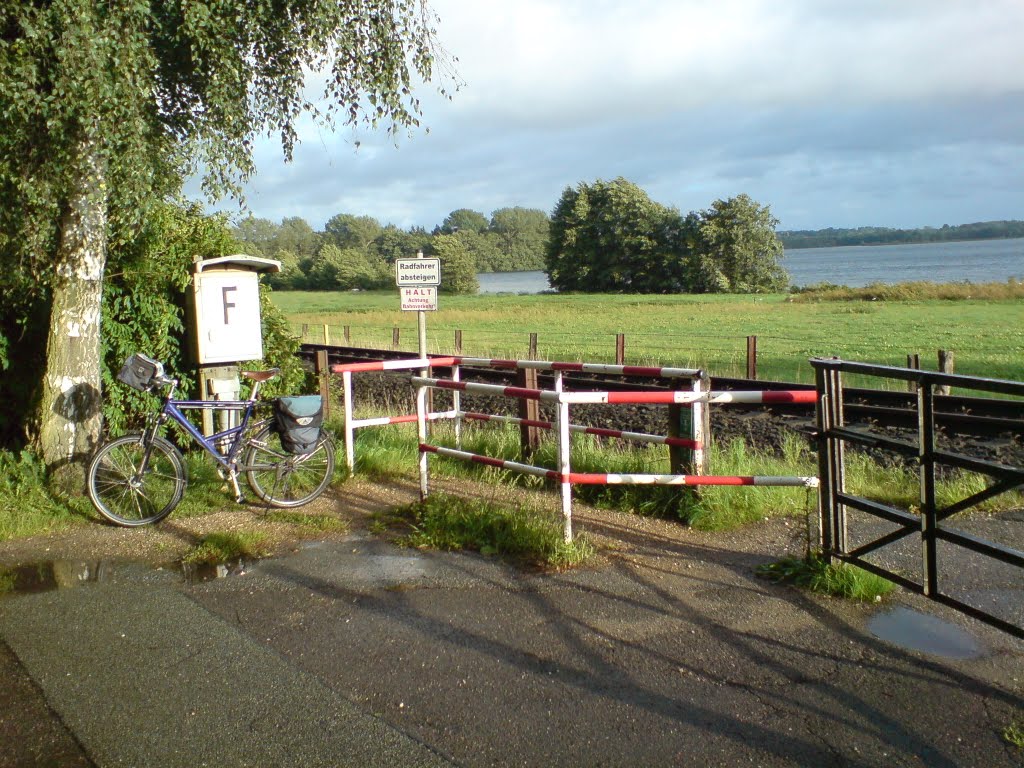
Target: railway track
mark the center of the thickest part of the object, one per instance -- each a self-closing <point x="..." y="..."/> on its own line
<point x="954" y="414"/>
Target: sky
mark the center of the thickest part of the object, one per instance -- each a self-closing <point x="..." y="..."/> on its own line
<point x="835" y="113"/>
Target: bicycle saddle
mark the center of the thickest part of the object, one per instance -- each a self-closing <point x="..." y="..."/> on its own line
<point x="261" y="375"/>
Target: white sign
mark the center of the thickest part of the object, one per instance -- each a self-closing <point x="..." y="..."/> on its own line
<point x="417" y="272"/>
<point x="228" y="316"/>
<point x="421" y="299"/>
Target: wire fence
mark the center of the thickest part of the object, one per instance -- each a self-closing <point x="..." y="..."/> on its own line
<point x="767" y="357"/>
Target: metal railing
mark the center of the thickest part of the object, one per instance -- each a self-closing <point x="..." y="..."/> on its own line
<point x="929" y="523"/>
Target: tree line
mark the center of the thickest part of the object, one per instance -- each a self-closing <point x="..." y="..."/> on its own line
<point x="602" y="237"/>
<point x="831" y="237"/>
<point x="358" y="252"/>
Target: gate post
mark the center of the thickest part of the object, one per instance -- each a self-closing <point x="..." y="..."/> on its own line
<point x="691" y="421"/>
<point x="926" y="458"/>
<point x="831" y="463"/>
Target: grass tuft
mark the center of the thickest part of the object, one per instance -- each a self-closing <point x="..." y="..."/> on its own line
<point x="520" y="533"/>
<point x="306" y="521"/>
<point x="1014" y="734"/>
<point x="223" y="547"/>
<point x="838" y="580"/>
<point x="28" y="505"/>
<point x="921" y="290"/>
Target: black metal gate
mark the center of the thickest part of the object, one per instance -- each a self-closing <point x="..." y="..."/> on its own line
<point x="929" y="523"/>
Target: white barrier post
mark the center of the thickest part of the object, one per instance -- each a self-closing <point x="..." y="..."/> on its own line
<point x="564" y="468"/>
<point x="457" y="407"/>
<point x="699" y="427"/>
<point x="421" y="434"/>
<point x="350" y="432"/>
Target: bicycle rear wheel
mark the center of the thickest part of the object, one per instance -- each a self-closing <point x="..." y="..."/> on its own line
<point x="127" y="496"/>
<point x="282" y="479"/>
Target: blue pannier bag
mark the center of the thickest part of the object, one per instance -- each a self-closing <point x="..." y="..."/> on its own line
<point x="299" y="419"/>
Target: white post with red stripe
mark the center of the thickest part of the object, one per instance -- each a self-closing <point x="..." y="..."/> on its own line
<point x="564" y="456"/>
<point x="350" y="429"/>
<point x="352" y="424"/>
<point x="421" y="434"/>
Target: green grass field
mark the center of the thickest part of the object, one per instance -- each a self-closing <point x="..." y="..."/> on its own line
<point x="709" y="331"/>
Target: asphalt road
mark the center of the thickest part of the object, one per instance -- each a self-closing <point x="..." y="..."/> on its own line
<point x="671" y="652"/>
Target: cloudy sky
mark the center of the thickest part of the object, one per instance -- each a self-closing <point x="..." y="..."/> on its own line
<point x="900" y="113"/>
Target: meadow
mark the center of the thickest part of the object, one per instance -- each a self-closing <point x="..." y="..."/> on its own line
<point x="709" y="331"/>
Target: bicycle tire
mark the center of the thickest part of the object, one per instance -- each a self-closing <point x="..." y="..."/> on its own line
<point x="125" y="499"/>
<point x="282" y="479"/>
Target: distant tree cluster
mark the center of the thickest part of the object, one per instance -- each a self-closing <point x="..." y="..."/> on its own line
<point x="358" y="252"/>
<point x="610" y="237"/>
<point x="828" y="238"/>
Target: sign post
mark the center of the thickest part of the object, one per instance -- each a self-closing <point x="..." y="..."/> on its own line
<point x="417" y="280"/>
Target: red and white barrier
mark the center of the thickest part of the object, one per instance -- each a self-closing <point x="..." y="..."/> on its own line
<point x="562" y="401"/>
<point x="578" y="478"/>
<point x="515" y="466"/>
<point x="589" y="478"/>
<point x="394" y="365"/>
<point x="352" y="424"/>
<point x="602" y="398"/>
<point x="637" y="437"/>
<point x="614" y="370"/>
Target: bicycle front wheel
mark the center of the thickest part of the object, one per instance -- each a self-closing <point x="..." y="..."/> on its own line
<point x="282" y="479"/>
<point x="126" y="493"/>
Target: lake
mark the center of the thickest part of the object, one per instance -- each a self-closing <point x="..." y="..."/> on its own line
<point x="976" y="261"/>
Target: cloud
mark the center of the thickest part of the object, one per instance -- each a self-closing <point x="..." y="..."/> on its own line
<point x="834" y="113"/>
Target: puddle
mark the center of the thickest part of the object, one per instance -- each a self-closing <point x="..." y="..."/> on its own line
<point x="927" y="634"/>
<point x="66" y="574"/>
<point x="202" y="572"/>
<point x="56" y="574"/>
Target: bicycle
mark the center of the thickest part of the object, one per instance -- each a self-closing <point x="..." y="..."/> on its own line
<point x="139" y="479"/>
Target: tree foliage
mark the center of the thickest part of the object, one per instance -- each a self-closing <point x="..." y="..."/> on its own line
<point x="356" y="251"/>
<point x="611" y="237"/>
<point x="106" y="106"/>
<point x="522" y="235"/>
<point x="458" y="267"/>
<point x="737" y="246"/>
<point x="463" y="220"/>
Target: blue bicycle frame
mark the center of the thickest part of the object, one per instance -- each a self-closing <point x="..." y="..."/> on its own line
<point x="213" y="444"/>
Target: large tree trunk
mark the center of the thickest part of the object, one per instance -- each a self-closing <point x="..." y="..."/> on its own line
<point x="69" y="416"/>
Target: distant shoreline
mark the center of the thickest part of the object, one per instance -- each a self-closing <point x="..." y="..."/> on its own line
<point x="834" y="237"/>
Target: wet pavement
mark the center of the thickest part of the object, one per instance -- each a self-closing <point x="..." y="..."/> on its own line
<point x="671" y="652"/>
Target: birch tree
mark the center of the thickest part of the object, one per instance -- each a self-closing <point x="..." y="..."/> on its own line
<point x="105" y="105"/>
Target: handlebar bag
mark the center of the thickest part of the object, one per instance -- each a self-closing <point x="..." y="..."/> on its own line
<point x="140" y="372"/>
<point x="299" y="419"/>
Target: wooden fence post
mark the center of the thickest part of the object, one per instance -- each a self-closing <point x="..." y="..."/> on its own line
<point x="914" y="363"/>
<point x="322" y="368"/>
<point x="458" y="342"/>
<point x="620" y="349"/>
<point x="529" y="437"/>
<point x="395" y="337"/>
<point x="945" y="366"/>
<point x="327" y="335"/>
<point x="348" y="334"/>
<point x="752" y="357"/>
